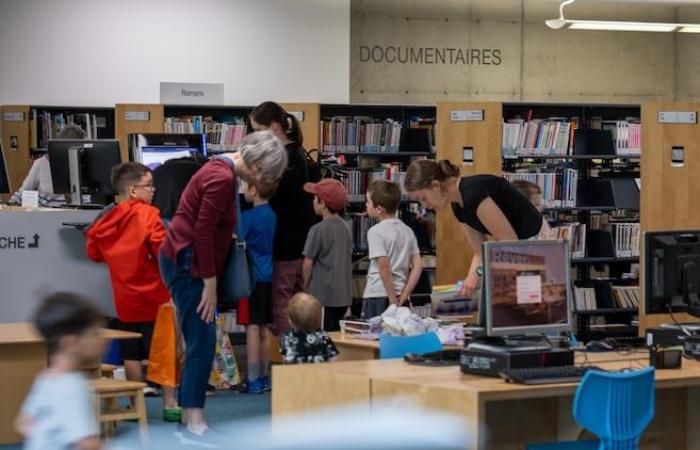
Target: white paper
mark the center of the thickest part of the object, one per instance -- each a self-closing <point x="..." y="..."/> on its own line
<point x="529" y="289"/>
<point x="30" y="199"/>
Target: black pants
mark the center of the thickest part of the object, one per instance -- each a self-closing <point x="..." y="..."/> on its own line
<point x="332" y="316"/>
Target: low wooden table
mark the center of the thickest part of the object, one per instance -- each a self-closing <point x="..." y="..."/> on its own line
<point x="497" y="415"/>
<point x="22" y="356"/>
<point x="354" y="349"/>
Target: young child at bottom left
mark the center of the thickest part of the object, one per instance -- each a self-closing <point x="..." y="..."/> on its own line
<point x="58" y="413"/>
<point x="127" y="237"/>
<point x="259" y="223"/>
<point x="306" y="342"/>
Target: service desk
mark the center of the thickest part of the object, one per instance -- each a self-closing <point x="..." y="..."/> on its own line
<point x="498" y="415"/>
<point x="22" y="356"/>
<point x="39" y="255"/>
<point x="353" y="349"/>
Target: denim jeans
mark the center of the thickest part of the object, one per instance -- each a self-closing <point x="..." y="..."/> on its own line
<point x="200" y="337"/>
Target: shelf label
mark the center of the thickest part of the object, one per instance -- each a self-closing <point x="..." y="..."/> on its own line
<point x="191" y="93"/>
<point x="137" y="116"/>
<point x="468" y="156"/>
<point x="680" y="117"/>
<point x="471" y="115"/>
<point x="298" y="114"/>
<point x="13" y="117"/>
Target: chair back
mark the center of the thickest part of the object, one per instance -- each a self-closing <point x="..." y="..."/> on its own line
<point x="616" y="406"/>
<point x="398" y="346"/>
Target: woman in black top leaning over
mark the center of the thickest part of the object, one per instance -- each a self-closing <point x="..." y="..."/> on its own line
<point x="293" y="207"/>
<point x="486" y="205"/>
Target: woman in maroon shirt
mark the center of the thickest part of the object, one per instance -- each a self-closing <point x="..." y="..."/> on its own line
<point x="194" y="253"/>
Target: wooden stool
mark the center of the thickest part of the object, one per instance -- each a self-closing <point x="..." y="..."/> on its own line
<point x="107" y="371"/>
<point x="106" y="393"/>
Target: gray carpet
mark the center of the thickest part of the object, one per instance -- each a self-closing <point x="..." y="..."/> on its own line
<point x="222" y="407"/>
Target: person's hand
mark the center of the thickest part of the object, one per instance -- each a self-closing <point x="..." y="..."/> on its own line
<point x="469" y="285"/>
<point x="402" y="299"/>
<point x="207" y="306"/>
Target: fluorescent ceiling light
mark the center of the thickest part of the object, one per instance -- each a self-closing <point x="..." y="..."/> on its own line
<point x="617" y="25"/>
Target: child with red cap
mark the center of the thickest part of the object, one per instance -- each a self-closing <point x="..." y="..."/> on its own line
<point x="327" y="266"/>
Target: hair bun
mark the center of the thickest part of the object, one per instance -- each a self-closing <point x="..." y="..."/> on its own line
<point x="447" y="169"/>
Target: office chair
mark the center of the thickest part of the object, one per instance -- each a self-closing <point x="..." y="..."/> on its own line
<point x="398" y="346"/>
<point x="615" y="406"/>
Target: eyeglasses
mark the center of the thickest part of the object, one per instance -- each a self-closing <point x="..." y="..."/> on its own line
<point x="146" y="186"/>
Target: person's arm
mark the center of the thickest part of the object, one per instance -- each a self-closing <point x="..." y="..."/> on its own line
<point x="413" y="277"/>
<point x="30" y="183"/>
<point x="387" y="279"/>
<point x="92" y="249"/>
<point x="23" y="424"/>
<point x="307" y="269"/>
<point x="156" y="232"/>
<point x="475" y="239"/>
<point x="493" y="219"/>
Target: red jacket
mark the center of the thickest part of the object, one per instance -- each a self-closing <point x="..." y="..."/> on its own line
<point x="205" y="219"/>
<point x="128" y="238"/>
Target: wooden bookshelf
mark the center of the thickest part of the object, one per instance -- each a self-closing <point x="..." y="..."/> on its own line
<point x="669" y="194"/>
<point x="17" y="159"/>
<point x="453" y="253"/>
<point x="127" y="121"/>
<point x="310" y="124"/>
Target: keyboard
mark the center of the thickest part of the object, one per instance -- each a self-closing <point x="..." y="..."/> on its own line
<point x="546" y="375"/>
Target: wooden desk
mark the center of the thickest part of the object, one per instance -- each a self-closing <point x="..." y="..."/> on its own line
<point x="498" y="415"/>
<point x="353" y="349"/>
<point x="22" y="356"/>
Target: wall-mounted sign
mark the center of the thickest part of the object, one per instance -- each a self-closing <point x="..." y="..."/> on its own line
<point x="137" y="116"/>
<point x="474" y="115"/>
<point x="681" y="117"/>
<point x="401" y="54"/>
<point x="468" y="156"/>
<point x="191" y="93"/>
<point x="677" y="156"/>
<point x="13" y="117"/>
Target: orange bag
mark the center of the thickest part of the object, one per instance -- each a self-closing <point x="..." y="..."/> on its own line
<point x="163" y="361"/>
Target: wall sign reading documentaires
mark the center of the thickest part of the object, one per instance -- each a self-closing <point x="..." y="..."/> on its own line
<point x="430" y="55"/>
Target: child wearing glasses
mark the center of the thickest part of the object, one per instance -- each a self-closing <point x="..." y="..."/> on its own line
<point x="127" y="237"/>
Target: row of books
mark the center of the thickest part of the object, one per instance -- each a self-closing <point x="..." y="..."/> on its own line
<point x="45" y="125"/>
<point x="558" y="186"/>
<point x="537" y="137"/>
<point x="359" y="134"/>
<point x="359" y="225"/>
<point x="356" y="181"/>
<point x="626" y="239"/>
<point x="573" y="232"/>
<point x="220" y="136"/>
<point x="627" y="136"/>
<point x="606" y="296"/>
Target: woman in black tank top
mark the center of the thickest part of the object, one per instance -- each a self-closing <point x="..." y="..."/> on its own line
<point x="486" y="205"/>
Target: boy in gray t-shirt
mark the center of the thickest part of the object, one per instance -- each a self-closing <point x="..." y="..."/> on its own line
<point x="395" y="262"/>
<point x="327" y="267"/>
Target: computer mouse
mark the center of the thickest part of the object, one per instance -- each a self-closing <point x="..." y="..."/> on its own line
<point x="599" y="346"/>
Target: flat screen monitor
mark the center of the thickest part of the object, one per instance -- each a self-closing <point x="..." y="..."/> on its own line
<point x="97" y="157"/>
<point x="4" y="176"/>
<point x="672" y="271"/>
<point x="155" y="143"/>
<point x="527" y="287"/>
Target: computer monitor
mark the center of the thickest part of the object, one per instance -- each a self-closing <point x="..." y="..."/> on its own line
<point x="672" y="272"/>
<point x="4" y="176"/>
<point x="527" y="287"/>
<point x="155" y="149"/>
<point x="95" y="159"/>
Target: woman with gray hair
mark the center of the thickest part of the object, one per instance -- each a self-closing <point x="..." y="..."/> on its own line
<point x="194" y="252"/>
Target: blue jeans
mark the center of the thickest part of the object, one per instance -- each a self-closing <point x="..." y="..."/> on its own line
<point x="200" y="337"/>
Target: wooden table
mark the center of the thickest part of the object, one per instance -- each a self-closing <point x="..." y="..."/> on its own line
<point x="354" y="349"/>
<point x="22" y="356"/>
<point x="498" y="415"/>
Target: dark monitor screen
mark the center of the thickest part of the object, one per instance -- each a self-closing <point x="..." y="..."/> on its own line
<point x="4" y="176"/>
<point x="97" y="157"/>
<point x="138" y="143"/>
<point x="527" y="288"/>
<point x="671" y="271"/>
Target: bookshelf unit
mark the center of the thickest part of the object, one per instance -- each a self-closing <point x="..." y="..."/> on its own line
<point x="582" y="173"/>
<point x="47" y="121"/>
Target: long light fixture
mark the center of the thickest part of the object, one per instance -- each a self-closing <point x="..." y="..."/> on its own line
<point x="617" y="25"/>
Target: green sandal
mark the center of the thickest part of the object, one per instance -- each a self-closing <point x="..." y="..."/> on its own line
<point x="172" y="414"/>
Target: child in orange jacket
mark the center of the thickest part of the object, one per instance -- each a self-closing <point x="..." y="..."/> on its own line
<point x="127" y="237"/>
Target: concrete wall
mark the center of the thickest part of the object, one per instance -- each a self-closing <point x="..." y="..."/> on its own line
<point x="536" y="63"/>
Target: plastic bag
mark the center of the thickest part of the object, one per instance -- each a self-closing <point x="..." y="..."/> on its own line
<point x="163" y="361"/>
<point x="224" y="373"/>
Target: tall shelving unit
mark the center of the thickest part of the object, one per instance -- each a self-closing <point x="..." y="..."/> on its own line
<point x="607" y="318"/>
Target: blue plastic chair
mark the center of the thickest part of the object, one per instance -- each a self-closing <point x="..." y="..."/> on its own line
<point x="398" y="346"/>
<point x="615" y="406"/>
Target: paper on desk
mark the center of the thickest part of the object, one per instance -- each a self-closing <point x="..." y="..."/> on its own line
<point x="30" y="199"/>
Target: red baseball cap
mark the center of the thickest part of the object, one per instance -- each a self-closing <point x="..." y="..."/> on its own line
<point x="331" y="191"/>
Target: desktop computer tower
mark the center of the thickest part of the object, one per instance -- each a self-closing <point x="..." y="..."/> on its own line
<point x="489" y="363"/>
